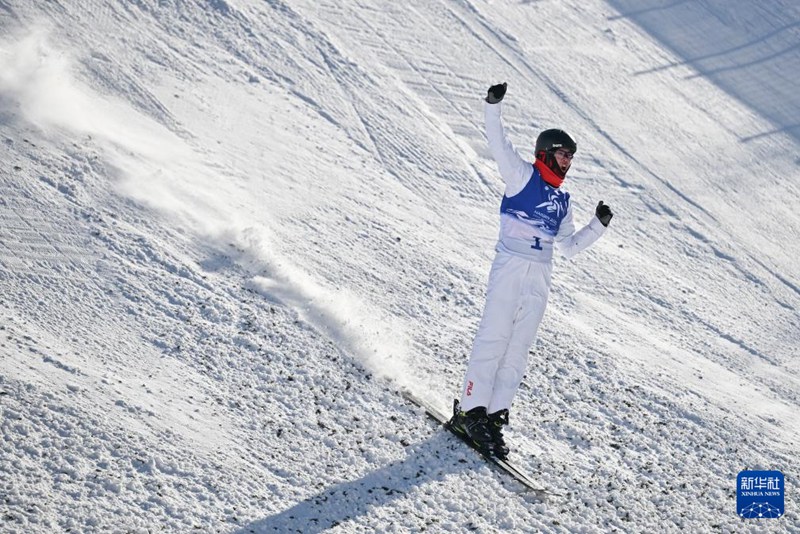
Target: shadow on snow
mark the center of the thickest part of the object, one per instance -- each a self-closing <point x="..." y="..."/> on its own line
<point x="738" y="45"/>
<point x="432" y="460"/>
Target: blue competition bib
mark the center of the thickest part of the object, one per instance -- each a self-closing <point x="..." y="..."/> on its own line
<point x="538" y="204"/>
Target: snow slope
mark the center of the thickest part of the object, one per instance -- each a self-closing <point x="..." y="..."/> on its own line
<point x="231" y="231"/>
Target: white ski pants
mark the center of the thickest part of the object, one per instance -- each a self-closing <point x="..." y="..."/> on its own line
<point x="516" y="298"/>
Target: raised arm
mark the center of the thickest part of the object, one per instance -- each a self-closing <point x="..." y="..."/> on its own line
<point x="570" y="242"/>
<point x="514" y="170"/>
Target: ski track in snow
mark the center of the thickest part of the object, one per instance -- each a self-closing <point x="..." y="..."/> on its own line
<point x="230" y="231"/>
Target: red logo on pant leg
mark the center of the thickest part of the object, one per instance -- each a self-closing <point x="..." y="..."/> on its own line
<point x="469" y="388"/>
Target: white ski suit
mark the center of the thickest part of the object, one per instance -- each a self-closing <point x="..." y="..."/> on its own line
<point x="533" y="218"/>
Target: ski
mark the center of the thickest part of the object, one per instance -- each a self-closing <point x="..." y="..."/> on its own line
<point x="503" y="465"/>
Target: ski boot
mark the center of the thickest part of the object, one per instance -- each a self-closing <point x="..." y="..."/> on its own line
<point x="497" y="421"/>
<point x="472" y="426"/>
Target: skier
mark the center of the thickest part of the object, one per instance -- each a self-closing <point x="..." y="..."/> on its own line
<point x="535" y="215"/>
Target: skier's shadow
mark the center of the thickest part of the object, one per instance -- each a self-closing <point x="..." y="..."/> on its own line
<point x="428" y="461"/>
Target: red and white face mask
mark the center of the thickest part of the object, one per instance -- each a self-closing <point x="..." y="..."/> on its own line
<point x="554" y="164"/>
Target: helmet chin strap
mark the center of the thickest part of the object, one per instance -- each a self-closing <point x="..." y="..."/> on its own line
<point x="548" y="174"/>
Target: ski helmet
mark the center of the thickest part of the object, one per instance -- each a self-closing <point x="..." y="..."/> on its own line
<point x="552" y="140"/>
<point x="546" y="145"/>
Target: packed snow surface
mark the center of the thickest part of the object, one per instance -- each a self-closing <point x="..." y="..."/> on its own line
<point x="233" y="231"/>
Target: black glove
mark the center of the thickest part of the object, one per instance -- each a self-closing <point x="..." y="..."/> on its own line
<point x="603" y="213"/>
<point x="496" y="93"/>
